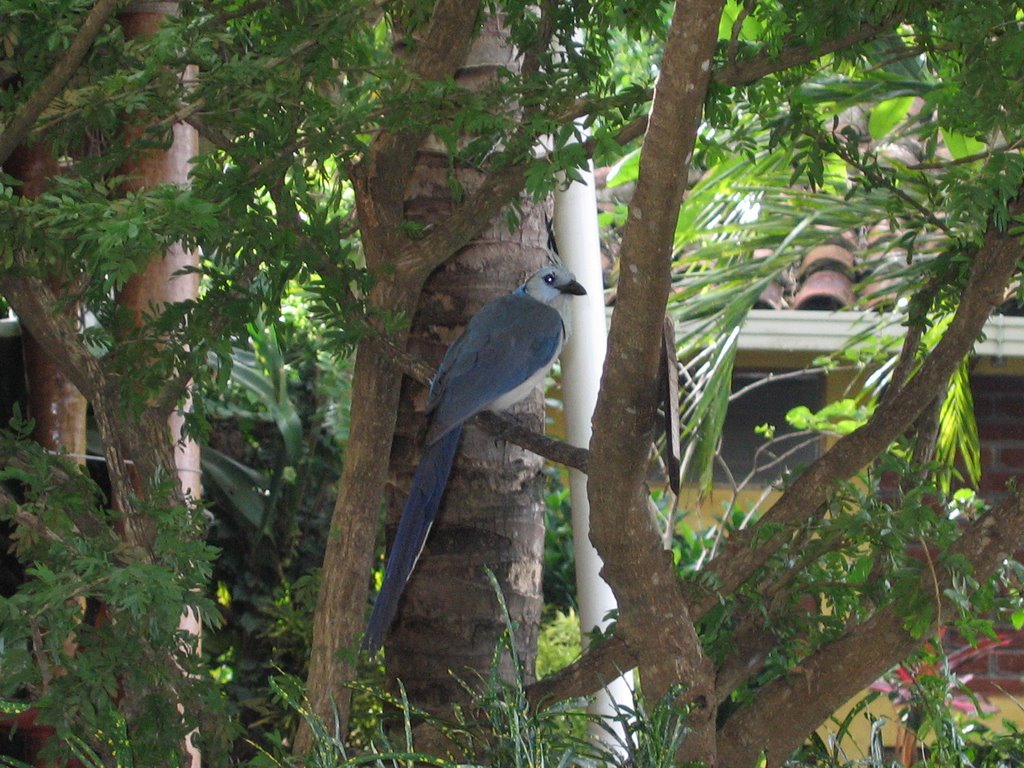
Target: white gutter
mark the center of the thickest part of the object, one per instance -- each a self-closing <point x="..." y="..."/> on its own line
<point x="821" y="332"/>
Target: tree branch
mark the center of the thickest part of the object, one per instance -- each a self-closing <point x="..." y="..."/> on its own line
<point x="661" y="631"/>
<point x="381" y="177"/>
<point x="136" y="452"/>
<point x="547" y="447"/>
<point x="600" y="665"/>
<point x="994" y="265"/>
<point x="36" y="305"/>
<point x="444" y="44"/>
<point x="735" y="73"/>
<point x="17" y="130"/>
<point x="62" y="481"/>
<point x="835" y="673"/>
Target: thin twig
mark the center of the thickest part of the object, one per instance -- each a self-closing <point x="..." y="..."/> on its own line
<point x="734" y="35"/>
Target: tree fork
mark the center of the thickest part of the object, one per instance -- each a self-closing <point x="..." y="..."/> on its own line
<point x="994" y="264"/>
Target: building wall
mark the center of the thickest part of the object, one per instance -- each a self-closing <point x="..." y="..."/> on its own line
<point x="999" y="410"/>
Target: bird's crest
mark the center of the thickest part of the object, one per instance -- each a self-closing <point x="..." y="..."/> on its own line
<point x="553" y="256"/>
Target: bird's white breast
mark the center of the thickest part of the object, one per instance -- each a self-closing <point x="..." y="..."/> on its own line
<point x="513" y="396"/>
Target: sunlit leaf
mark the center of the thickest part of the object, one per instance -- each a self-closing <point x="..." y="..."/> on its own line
<point x="887" y="114"/>
<point x="961" y="146"/>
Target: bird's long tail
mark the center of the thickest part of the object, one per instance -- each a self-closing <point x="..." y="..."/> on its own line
<point x="421" y="507"/>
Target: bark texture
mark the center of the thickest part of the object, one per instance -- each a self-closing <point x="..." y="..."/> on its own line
<point x="169" y="278"/>
<point x="492" y="517"/>
<point x="55" y="405"/>
<point x="660" y="632"/>
<point x="380" y="182"/>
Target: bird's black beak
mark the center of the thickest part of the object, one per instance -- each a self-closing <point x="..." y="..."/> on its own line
<point x="574" y="288"/>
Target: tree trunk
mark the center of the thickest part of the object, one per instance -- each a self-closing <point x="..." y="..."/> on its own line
<point x="450" y="619"/>
<point x="635" y="564"/>
<point x="400" y="268"/>
<point x="166" y="278"/>
<point x="54" y="403"/>
<point x="341" y="600"/>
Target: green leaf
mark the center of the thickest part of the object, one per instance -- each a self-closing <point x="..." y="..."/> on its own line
<point x="887" y="115"/>
<point x="750" y="28"/>
<point x="961" y="146"/>
<point x="269" y="385"/>
<point x="242" y="485"/>
<point x="625" y="170"/>
<point x="958" y="444"/>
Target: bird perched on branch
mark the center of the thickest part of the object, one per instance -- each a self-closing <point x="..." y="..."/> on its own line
<point x="505" y="351"/>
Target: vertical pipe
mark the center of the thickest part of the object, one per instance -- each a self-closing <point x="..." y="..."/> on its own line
<point x="576" y="234"/>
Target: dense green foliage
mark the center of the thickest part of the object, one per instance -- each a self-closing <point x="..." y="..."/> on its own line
<point x="289" y="100"/>
<point x="64" y="640"/>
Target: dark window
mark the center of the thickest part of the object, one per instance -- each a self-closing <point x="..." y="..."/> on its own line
<point x="764" y="397"/>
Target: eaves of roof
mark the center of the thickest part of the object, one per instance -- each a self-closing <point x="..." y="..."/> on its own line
<point x="823" y="332"/>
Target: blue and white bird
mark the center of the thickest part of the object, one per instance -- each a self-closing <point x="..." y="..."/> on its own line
<point x="505" y="351"/>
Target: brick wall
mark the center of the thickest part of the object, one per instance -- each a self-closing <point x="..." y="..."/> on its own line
<point x="999" y="409"/>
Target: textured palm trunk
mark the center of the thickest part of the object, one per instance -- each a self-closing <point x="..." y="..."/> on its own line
<point x="450" y="619"/>
<point x="381" y="180"/>
<point x="55" y="405"/>
<point x="169" y="277"/>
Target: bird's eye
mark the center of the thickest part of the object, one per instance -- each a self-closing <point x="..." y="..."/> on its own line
<point x="549" y="279"/>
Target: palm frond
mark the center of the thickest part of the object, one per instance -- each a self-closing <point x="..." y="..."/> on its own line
<point x="958" y="430"/>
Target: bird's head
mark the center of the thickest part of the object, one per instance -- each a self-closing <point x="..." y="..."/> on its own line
<point x="551" y="283"/>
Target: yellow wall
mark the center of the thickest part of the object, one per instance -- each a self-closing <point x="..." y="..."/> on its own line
<point x="857" y="743"/>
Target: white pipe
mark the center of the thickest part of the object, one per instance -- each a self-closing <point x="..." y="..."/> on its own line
<point x="576" y="234"/>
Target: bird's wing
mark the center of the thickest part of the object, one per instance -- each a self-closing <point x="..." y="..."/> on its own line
<point x="504" y="344"/>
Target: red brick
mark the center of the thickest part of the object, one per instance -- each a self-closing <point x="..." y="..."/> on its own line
<point x="1001" y="429"/>
<point x="1012" y="638"/>
<point x="995" y="482"/>
<point x="986" y="407"/>
<point x="1010" y="406"/>
<point x="979" y="666"/>
<point x="1012" y="458"/>
<point x="1009" y="663"/>
<point x="890" y="481"/>
<point x="987" y="455"/>
<point x="1013" y="384"/>
<point x="1012" y="686"/>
